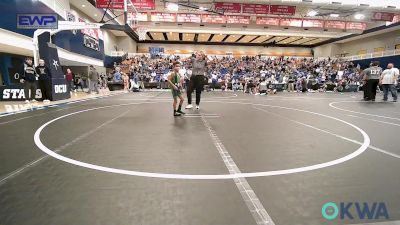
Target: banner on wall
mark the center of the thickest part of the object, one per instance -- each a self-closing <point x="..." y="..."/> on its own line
<point x="212" y="18"/>
<point x="238" y="19"/>
<point x="141" y="16"/>
<point x="313" y="23"/>
<point x="255" y="8"/>
<point x="282" y="10"/>
<point x="163" y="17"/>
<point x="188" y="18"/>
<point x="267" y="21"/>
<point x="72" y="18"/>
<point x="332" y="24"/>
<point x="16" y="93"/>
<point x="111" y="4"/>
<point x="291" y="22"/>
<point x="228" y="7"/>
<point x="383" y="16"/>
<point x="356" y="26"/>
<point x="94" y="33"/>
<point x="144" y="4"/>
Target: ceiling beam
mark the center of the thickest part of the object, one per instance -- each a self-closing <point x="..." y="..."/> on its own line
<point x="268" y="39"/>
<point x="294" y="41"/>
<point x="240" y="38"/>
<point x="222" y="43"/>
<point x="283" y="39"/>
<point x="226" y="37"/>
<point x="308" y="41"/>
<point x="211" y="37"/>
<point x="150" y="36"/>
<point x="254" y="39"/>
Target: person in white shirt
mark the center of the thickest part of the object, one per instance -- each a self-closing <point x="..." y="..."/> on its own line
<point x="388" y="80"/>
<point x="396" y="73"/>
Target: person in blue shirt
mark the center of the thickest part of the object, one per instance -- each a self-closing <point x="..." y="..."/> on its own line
<point x="117" y="75"/>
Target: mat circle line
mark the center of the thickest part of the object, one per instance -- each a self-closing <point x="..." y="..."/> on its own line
<point x="360" y="150"/>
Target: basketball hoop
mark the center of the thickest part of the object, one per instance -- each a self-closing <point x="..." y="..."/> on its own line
<point x="141" y="32"/>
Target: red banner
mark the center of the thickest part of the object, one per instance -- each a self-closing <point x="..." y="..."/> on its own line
<point x="291" y="22"/>
<point x="163" y="17"/>
<point x="94" y="33"/>
<point x="356" y="26"/>
<point x="333" y="24"/>
<point x="144" y="4"/>
<point x="238" y="19"/>
<point x="142" y="17"/>
<point x="313" y="23"/>
<point x="115" y="4"/>
<point x="383" y="16"/>
<point x="255" y="9"/>
<point x="267" y="21"/>
<point x="188" y="18"/>
<point x="228" y="7"/>
<point x="396" y="19"/>
<point x="211" y="18"/>
<point x="282" y="10"/>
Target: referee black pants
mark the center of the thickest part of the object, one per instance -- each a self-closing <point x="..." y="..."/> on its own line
<point x="195" y="83"/>
<point x="372" y="85"/>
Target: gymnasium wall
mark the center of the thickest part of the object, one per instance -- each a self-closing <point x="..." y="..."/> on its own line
<point x="376" y="43"/>
<point x="387" y="41"/>
<point x="127" y="44"/>
<point x="110" y="42"/>
<point x="223" y="49"/>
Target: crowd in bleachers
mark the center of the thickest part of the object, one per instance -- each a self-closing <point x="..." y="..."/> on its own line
<point x="248" y="73"/>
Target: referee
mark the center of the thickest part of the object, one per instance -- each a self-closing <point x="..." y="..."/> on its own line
<point x="372" y="75"/>
<point x="199" y="68"/>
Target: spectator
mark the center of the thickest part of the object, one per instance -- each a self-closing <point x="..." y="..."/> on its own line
<point x="117" y="75"/>
<point x="44" y="80"/>
<point x="93" y="80"/>
<point x="69" y="77"/>
<point x="28" y="78"/>
<point x="388" y="80"/>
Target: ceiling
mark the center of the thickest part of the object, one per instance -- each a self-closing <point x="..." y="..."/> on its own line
<point x="253" y="34"/>
<point x="208" y="38"/>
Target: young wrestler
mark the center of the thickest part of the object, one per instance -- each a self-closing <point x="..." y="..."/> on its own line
<point x="175" y="83"/>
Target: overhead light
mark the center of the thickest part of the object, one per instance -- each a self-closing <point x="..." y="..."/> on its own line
<point x="172" y="7"/>
<point x="312" y="13"/>
<point x="95" y="14"/>
<point x="202" y="8"/>
<point x="83" y="5"/>
<point x="334" y="15"/>
<point x="359" y="16"/>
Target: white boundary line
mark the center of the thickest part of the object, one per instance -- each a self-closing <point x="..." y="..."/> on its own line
<point x="336" y="135"/>
<point x="354" y="154"/>
<point x="255" y="206"/>
<point x="378" y="121"/>
<point x="57" y="104"/>
<point x="35" y="162"/>
<point x="367" y="114"/>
